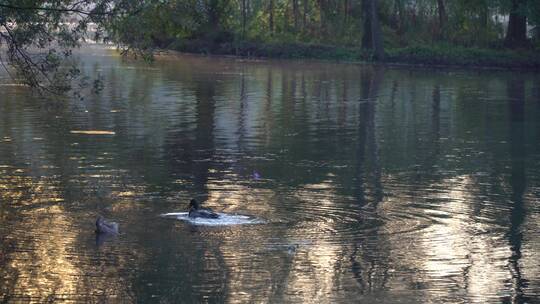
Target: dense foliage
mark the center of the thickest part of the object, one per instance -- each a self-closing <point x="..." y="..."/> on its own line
<point x="480" y="23"/>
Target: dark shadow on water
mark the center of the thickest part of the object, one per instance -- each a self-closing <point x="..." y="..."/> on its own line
<point x="102" y="238"/>
<point x="204" y="135"/>
<point x="370" y="272"/>
<point x="436" y="122"/>
<point x="518" y="181"/>
<point x="368" y="168"/>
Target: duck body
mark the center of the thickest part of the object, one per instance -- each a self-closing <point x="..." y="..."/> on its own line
<point x="203" y="213"/>
<point x="195" y="211"/>
<point x="105" y="227"/>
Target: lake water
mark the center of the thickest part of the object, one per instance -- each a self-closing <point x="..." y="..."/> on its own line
<point x="361" y="184"/>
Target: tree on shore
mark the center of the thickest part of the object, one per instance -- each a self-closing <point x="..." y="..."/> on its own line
<point x="372" y="36"/>
<point x="38" y="37"/>
<point x="443" y="18"/>
<point x="516" y="34"/>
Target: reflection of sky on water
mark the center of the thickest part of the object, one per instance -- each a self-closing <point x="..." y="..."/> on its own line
<point x="373" y="184"/>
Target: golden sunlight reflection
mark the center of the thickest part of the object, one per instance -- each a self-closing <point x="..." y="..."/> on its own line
<point x="42" y="260"/>
<point x="234" y="197"/>
<point x="47" y="270"/>
<point x="305" y="256"/>
<point x="530" y="262"/>
<point x="314" y="277"/>
<point x="455" y="250"/>
<point x="435" y="232"/>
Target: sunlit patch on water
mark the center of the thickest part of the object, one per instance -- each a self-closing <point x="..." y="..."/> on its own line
<point x="13" y="85"/>
<point x="289" y="247"/>
<point x="223" y="220"/>
<point x="92" y="132"/>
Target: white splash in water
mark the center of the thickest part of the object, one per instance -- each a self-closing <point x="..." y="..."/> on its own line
<point x="223" y="220"/>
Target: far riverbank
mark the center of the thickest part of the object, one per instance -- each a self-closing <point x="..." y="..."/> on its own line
<point x="436" y="55"/>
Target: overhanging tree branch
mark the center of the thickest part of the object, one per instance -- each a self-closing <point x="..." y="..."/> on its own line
<point x="37" y="38"/>
<point x="62" y="10"/>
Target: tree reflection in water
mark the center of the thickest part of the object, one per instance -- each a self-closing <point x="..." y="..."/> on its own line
<point x="518" y="183"/>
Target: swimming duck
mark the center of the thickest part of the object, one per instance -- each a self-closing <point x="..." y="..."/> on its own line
<point x="196" y="211"/>
<point x="103" y="226"/>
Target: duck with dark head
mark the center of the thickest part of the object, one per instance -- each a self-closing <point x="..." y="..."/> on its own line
<point x="106" y="227"/>
<point x="195" y="211"/>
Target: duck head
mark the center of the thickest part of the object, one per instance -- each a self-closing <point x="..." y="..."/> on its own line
<point x="99" y="220"/>
<point x="193" y="204"/>
<point x="103" y="226"/>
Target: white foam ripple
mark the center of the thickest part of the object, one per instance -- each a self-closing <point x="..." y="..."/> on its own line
<point x="223" y="220"/>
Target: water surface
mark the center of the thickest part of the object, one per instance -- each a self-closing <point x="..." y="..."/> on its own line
<point x="370" y="184"/>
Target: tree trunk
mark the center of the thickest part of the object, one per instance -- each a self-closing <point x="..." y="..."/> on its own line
<point x="322" y="20"/>
<point x="295" y="14"/>
<point x="271" y="17"/>
<point x="304" y="17"/>
<point x="516" y="35"/>
<point x="244" y="17"/>
<point x="394" y="17"/>
<point x="442" y="19"/>
<point x="345" y="11"/>
<point x="485" y="16"/>
<point x="377" y="32"/>
<point x="213" y="15"/>
<point x="367" y="40"/>
<point x="372" y="38"/>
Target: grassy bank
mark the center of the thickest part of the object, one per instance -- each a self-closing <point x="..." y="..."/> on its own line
<point x="466" y="57"/>
<point x="437" y="55"/>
